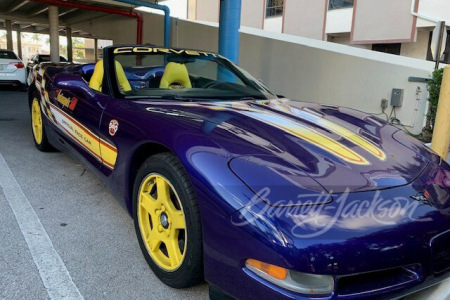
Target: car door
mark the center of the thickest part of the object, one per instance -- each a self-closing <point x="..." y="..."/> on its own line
<point x="77" y="113"/>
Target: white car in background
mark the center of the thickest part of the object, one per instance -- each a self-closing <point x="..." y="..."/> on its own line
<point x="12" y="69"/>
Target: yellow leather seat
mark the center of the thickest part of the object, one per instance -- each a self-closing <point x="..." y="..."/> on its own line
<point x="97" y="77"/>
<point x="175" y="73"/>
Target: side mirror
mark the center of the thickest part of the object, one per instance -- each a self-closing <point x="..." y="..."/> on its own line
<point x="75" y="84"/>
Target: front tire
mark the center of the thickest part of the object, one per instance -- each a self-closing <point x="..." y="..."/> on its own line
<point x="37" y="126"/>
<point x="167" y="221"/>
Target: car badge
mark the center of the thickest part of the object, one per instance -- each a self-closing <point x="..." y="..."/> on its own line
<point x="422" y="197"/>
<point x="113" y="127"/>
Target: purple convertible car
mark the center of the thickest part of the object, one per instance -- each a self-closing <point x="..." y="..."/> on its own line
<point x="261" y="197"/>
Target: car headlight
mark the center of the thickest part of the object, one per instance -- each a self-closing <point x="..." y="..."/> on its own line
<point x="298" y="282"/>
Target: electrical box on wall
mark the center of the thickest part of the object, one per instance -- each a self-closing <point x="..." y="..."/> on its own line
<point x="397" y="97"/>
<point x="384" y="104"/>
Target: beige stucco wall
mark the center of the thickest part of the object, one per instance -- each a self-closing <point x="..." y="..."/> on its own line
<point x="192" y="10"/>
<point x="252" y="13"/>
<point x="419" y="48"/>
<point x="305" y="18"/>
<point x="208" y="10"/>
<point x="382" y="21"/>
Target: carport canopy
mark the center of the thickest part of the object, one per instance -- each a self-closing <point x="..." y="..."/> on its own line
<point x="35" y="17"/>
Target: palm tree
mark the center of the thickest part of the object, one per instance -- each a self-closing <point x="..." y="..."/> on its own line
<point x="35" y="37"/>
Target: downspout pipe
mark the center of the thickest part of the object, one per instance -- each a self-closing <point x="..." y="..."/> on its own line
<point x="108" y="10"/>
<point x="164" y="8"/>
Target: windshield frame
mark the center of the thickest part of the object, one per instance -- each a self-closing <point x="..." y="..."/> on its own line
<point x="113" y="85"/>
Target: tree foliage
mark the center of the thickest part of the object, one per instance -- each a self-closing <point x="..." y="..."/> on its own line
<point x="434" y="90"/>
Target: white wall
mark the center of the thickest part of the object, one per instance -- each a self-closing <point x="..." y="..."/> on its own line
<point x="273" y="24"/>
<point x="299" y="68"/>
<point x="438" y="9"/>
<point x="339" y="20"/>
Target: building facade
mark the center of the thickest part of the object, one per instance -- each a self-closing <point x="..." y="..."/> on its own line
<point x="381" y="25"/>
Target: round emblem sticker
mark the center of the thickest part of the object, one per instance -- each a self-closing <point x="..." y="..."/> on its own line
<point x="113" y="126"/>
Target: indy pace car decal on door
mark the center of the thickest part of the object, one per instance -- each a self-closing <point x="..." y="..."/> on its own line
<point x="103" y="151"/>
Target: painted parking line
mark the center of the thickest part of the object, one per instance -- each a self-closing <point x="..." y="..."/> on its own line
<point x="53" y="272"/>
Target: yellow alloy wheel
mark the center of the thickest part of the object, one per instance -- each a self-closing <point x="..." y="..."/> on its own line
<point x="36" y="121"/>
<point x="162" y="223"/>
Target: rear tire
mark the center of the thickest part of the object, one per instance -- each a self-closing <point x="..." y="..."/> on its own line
<point x="37" y="126"/>
<point x="178" y="268"/>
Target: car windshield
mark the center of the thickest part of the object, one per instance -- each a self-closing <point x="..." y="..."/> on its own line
<point x="149" y="72"/>
<point x="7" y="55"/>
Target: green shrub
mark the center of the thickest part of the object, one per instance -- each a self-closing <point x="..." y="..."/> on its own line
<point x="434" y="89"/>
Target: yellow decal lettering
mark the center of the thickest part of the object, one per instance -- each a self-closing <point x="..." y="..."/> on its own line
<point x="161" y="50"/>
<point x="192" y="52"/>
<point x="142" y="49"/>
<point x="123" y="50"/>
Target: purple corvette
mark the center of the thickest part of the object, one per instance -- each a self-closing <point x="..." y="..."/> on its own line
<point x="261" y="197"/>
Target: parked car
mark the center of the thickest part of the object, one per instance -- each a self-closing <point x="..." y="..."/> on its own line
<point x="12" y="71"/>
<point x="40" y="58"/>
<point x="262" y="197"/>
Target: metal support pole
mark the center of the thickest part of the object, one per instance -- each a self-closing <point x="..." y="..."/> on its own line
<point x="19" y="43"/>
<point x="9" y="39"/>
<point x="69" y="44"/>
<point x="439" y="49"/>
<point x="441" y="133"/>
<point x="53" y="19"/>
<point x="96" y="49"/>
<point x="229" y="24"/>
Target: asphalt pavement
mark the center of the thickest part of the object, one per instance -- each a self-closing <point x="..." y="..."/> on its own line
<point x="86" y="227"/>
<point x="53" y="203"/>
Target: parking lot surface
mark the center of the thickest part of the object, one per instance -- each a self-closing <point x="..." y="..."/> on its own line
<point x="86" y="227"/>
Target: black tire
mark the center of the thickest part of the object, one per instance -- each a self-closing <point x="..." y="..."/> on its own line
<point x="44" y="145"/>
<point x="190" y="271"/>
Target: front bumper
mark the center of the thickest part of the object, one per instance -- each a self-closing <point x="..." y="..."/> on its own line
<point x="367" y="259"/>
<point x="228" y="273"/>
<point x="247" y="285"/>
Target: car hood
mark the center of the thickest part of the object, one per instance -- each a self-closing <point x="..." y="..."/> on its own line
<point x="340" y="149"/>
